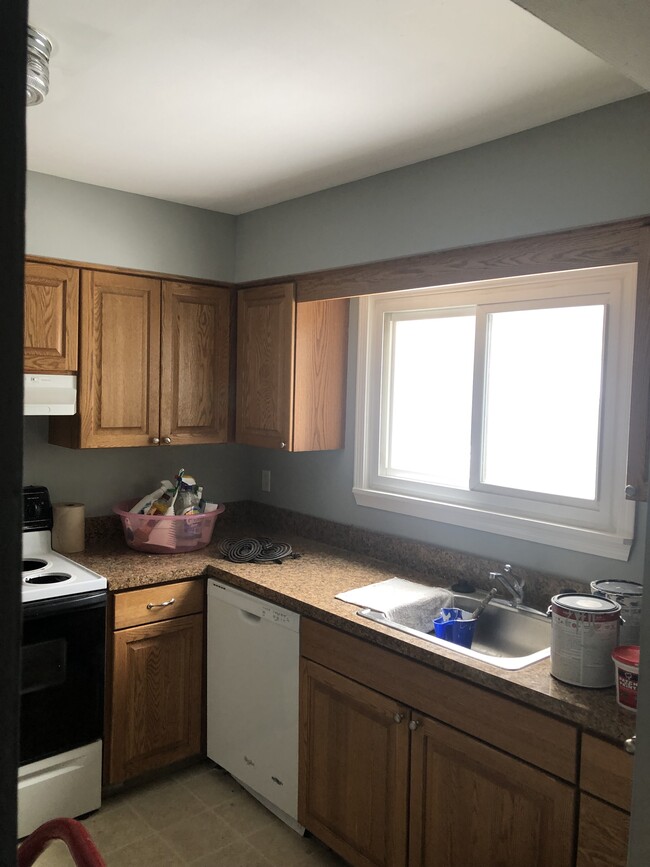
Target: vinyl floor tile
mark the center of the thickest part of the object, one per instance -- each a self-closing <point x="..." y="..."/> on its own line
<point x="244" y="813"/>
<point x="212" y="788"/>
<point x="237" y="854"/>
<point x="198" y="816"/>
<point x="163" y="805"/>
<point x="114" y="829"/>
<point x="148" y="851"/>
<point x="199" y="835"/>
<point x="282" y="846"/>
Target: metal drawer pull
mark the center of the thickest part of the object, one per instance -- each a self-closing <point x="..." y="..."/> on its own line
<point x="151" y="605"/>
<point x="630" y="745"/>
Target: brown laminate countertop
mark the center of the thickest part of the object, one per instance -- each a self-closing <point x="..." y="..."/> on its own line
<point x="309" y="584"/>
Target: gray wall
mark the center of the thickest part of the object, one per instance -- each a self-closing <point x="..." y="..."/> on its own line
<point x="582" y="170"/>
<point x="586" y="169"/>
<point x="102" y="477"/>
<point x="69" y="220"/>
<point x="85" y="223"/>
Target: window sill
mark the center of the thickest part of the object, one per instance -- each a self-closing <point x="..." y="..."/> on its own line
<point x="596" y="542"/>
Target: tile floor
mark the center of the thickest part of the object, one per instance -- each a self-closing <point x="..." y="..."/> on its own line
<point x="197" y="816"/>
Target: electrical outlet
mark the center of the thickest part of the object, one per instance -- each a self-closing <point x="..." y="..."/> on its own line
<point x="266" y="481"/>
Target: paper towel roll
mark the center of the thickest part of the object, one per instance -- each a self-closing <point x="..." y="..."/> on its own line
<point x="68" y="531"/>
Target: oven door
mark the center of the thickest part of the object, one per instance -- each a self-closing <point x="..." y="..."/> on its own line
<point x="62" y="674"/>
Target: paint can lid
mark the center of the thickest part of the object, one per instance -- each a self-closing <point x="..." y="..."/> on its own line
<point x="585" y="603"/>
<point x="618" y="588"/>
<point x="628" y="654"/>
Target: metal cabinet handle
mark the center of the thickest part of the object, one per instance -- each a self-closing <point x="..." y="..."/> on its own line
<point x="630" y="745"/>
<point x="283" y="445"/>
<point x="151" y="605"/>
<point x="398" y="717"/>
<point x="167" y="440"/>
<point x="155" y="441"/>
<point x="414" y="724"/>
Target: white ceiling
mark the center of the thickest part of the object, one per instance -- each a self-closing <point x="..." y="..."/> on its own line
<point x="236" y="104"/>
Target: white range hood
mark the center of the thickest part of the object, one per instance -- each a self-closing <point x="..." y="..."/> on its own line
<point x="50" y="394"/>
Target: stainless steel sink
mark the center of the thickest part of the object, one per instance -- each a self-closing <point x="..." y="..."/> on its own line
<point x="509" y="638"/>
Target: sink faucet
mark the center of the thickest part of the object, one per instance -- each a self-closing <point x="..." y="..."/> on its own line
<point x="513" y="586"/>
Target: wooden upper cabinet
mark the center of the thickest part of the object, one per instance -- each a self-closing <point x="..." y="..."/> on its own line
<point x="291" y="370"/>
<point x="155" y="364"/>
<point x="265" y="359"/>
<point x="119" y="381"/>
<point x="195" y="363"/>
<point x="51" y="318"/>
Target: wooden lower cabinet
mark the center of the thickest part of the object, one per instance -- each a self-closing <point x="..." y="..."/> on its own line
<point x="605" y="803"/>
<point x="155" y="698"/>
<point x="602" y="841"/>
<point x="354" y="768"/>
<point x="469" y="778"/>
<point x="384" y="785"/>
<point x="472" y="804"/>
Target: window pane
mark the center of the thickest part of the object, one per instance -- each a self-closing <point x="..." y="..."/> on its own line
<point x="430" y="399"/>
<point x="543" y="393"/>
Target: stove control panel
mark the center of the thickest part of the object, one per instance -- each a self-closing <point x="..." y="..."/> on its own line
<point x="37" y="509"/>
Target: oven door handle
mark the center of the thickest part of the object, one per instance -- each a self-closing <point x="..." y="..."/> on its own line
<point x="151" y="605"/>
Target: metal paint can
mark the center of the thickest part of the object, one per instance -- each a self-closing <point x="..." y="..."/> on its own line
<point x="629" y="595"/>
<point x="583" y="635"/>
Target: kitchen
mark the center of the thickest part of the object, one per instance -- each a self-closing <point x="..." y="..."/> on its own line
<point x="57" y="226"/>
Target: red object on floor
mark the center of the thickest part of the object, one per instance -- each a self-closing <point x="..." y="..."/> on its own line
<point x="74" y="835"/>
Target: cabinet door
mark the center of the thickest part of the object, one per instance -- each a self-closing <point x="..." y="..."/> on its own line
<point x="472" y="804"/>
<point x="195" y="363"/>
<point x="320" y="380"/>
<point x="119" y="378"/>
<point x="603" y="833"/>
<point x="51" y="318"/>
<point x="353" y="768"/>
<point x="265" y="365"/>
<point x="156" y="696"/>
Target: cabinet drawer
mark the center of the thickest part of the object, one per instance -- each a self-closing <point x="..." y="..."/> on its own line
<point x="606" y="771"/>
<point x="162" y="602"/>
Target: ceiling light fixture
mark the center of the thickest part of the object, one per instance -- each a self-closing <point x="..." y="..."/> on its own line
<point x="39" y="49"/>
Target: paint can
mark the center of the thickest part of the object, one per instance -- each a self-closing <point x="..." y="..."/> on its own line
<point x="626" y="660"/>
<point x="583" y="635"/>
<point x="629" y="595"/>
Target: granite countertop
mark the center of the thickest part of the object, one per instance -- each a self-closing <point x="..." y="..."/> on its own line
<point x="309" y="584"/>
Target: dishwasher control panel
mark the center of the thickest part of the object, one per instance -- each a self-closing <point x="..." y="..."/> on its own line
<point x="253" y="605"/>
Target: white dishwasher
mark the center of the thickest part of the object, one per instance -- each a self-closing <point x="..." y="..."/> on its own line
<point x="252" y="695"/>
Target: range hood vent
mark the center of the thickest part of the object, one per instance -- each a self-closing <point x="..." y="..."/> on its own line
<point x="50" y="394"/>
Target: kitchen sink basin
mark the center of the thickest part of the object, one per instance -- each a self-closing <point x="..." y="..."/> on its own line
<point x="506" y="637"/>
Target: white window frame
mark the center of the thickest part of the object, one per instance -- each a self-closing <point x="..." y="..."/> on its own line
<point x="604" y="527"/>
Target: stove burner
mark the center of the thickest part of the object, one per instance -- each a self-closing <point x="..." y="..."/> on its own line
<point x="33" y="563"/>
<point x="49" y="578"/>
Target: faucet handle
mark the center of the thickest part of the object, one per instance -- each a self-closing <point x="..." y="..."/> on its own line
<point x="507" y="568"/>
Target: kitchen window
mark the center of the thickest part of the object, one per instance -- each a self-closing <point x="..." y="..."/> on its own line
<point x="502" y="406"/>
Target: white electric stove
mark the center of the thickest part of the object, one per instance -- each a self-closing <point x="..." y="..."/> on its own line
<point x="47" y="574"/>
<point x="62" y="676"/>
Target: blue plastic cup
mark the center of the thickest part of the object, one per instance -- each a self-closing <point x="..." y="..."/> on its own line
<point x="455" y="625"/>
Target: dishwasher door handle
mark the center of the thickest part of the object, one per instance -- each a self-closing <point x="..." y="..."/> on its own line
<point x="247" y="615"/>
